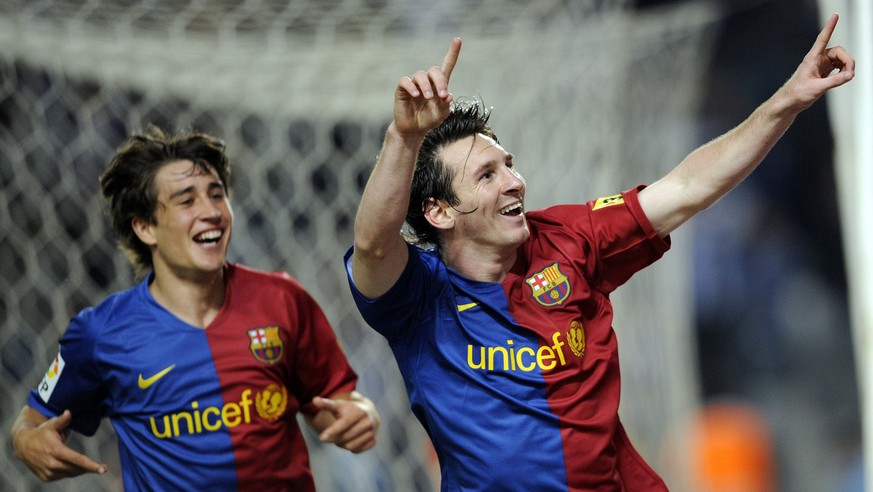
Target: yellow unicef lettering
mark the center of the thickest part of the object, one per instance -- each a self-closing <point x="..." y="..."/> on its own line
<point x="158" y="434"/>
<point x="182" y="416"/>
<point x="230" y="415"/>
<point x="481" y="364"/>
<point x="210" y="419"/>
<point x="197" y="425"/>
<point x="491" y="352"/>
<point x="557" y="346"/>
<point x="511" y="353"/>
<point x="246" y="404"/>
<point x="525" y="358"/>
<point x="211" y="426"/>
<point x="545" y="353"/>
<point x="521" y="364"/>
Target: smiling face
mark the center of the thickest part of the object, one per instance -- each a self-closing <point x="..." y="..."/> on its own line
<point x="490" y="210"/>
<point x="193" y="221"/>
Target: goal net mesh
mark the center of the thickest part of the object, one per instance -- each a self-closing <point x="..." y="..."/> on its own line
<point x="592" y="97"/>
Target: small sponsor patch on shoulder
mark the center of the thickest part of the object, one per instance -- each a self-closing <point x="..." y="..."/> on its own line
<point x="47" y="385"/>
<point x="608" y="201"/>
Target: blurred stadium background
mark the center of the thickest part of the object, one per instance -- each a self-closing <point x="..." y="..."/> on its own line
<point x="737" y="352"/>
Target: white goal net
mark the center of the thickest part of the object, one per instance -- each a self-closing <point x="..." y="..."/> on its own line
<point x="592" y="97"/>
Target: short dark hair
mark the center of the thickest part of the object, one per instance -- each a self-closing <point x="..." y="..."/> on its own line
<point x="128" y="182"/>
<point x="432" y="179"/>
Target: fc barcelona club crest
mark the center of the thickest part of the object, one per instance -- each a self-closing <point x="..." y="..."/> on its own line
<point x="266" y="345"/>
<point x="550" y="287"/>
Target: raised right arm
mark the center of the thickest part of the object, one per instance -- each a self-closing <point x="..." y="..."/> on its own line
<point x="421" y="102"/>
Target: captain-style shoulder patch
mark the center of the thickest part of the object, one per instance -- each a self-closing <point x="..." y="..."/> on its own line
<point x="608" y="201"/>
<point x="266" y="345"/>
<point x="549" y="287"/>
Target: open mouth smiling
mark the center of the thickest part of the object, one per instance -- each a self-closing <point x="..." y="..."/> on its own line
<point x="513" y="210"/>
<point x="208" y="237"/>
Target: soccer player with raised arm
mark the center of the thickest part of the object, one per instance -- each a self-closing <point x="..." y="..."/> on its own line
<point x="499" y="317"/>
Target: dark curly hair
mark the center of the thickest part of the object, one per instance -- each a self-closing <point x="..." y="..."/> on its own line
<point x="128" y="182"/>
<point x="432" y="179"/>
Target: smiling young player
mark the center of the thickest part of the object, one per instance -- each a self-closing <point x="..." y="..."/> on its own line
<point x="202" y="367"/>
<point x="500" y="317"/>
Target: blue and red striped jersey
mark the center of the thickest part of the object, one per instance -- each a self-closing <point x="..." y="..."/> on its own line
<point x="517" y="383"/>
<point x="201" y="409"/>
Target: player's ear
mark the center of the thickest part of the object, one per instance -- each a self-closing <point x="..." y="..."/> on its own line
<point x="144" y="230"/>
<point x="439" y="214"/>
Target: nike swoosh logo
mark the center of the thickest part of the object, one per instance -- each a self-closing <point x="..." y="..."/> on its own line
<point x="145" y="383"/>
<point x="464" y="307"/>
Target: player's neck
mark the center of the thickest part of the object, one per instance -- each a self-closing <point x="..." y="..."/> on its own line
<point x="481" y="264"/>
<point x="195" y="300"/>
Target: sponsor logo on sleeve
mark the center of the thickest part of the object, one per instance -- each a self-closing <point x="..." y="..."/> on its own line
<point x="607" y="201"/>
<point x="50" y="380"/>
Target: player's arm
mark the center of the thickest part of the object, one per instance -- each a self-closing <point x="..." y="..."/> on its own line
<point x="40" y="443"/>
<point x="421" y="102"/>
<point x="349" y="420"/>
<point x="712" y="170"/>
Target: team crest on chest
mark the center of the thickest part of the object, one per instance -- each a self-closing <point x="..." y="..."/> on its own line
<point x="266" y="345"/>
<point x="549" y="287"/>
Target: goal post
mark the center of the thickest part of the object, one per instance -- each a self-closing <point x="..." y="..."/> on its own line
<point x="851" y="114"/>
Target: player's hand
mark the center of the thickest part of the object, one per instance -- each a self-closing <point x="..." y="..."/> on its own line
<point x="422" y="101"/>
<point x="356" y="421"/>
<point x="43" y="450"/>
<point x="821" y="70"/>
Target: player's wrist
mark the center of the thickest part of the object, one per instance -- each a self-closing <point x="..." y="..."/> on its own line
<point x="412" y="137"/>
<point x="16" y="436"/>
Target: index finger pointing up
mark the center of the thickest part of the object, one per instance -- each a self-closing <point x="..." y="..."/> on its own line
<point x="451" y="58"/>
<point x="824" y="37"/>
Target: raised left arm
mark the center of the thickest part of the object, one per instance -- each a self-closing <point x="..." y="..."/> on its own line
<point x="715" y="168"/>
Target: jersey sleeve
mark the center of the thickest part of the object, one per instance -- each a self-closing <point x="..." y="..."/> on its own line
<point x="73" y="380"/>
<point x="614" y="237"/>
<point x="391" y="313"/>
<point x="319" y="364"/>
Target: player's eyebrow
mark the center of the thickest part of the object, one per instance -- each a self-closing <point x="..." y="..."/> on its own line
<point x="183" y="191"/>
<point x="190" y="189"/>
